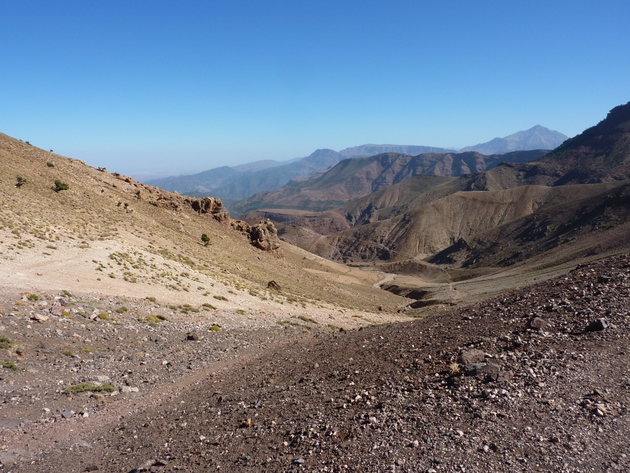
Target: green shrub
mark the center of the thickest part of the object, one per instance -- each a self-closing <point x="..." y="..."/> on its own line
<point x="89" y="387"/>
<point x="20" y="181"/>
<point x="5" y="342"/>
<point x="10" y="365"/>
<point x="152" y="319"/>
<point x="60" y="186"/>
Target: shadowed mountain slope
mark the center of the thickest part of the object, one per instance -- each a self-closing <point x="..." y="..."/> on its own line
<point x="594" y="224"/>
<point x="446" y="221"/>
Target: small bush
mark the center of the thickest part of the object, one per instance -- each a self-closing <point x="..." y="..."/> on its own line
<point x="307" y="319"/>
<point x="60" y="186"/>
<point x="220" y="298"/>
<point x="89" y="387"/>
<point x="122" y="309"/>
<point x="49" y="164"/>
<point x="187" y="308"/>
<point x="215" y="328"/>
<point x="152" y="319"/>
<point x="5" y="342"/>
<point x="205" y="239"/>
<point x="10" y="365"/>
<point x="20" y="181"/>
<point x="32" y="297"/>
<point x="103" y="316"/>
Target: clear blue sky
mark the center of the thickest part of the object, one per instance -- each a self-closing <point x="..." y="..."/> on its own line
<point x="180" y="86"/>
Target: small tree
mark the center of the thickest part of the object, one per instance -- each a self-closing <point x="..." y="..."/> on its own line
<point x="60" y="186"/>
<point x="205" y="238"/>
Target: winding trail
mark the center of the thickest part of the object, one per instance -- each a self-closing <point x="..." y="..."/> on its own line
<point x="389" y="277"/>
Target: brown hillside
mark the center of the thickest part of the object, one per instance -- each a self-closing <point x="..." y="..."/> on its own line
<point x="557" y="233"/>
<point x="443" y="222"/>
<point x="355" y="178"/>
<point x="109" y="234"/>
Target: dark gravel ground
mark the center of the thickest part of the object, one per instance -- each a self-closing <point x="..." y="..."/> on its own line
<point x="535" y="380"/>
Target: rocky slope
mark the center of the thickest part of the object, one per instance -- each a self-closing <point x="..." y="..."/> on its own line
<point x="534" y="380"/>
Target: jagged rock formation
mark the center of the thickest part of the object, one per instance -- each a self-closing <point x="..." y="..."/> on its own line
<point x="265" y="236"/>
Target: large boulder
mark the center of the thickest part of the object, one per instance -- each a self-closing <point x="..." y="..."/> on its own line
<point x="264" y="235"/>
<point x="205" y="205"/>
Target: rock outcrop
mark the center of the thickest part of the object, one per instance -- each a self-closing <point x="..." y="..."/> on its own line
<point x="265" y="236"/>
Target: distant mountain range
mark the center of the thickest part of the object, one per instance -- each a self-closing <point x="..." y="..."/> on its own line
<point x="357" y="177"/>
<point x="577" y="197"/>
<point x="236" y="183"/>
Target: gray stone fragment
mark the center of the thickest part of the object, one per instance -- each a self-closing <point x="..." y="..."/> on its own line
<point x="488" y="370"/>
<point x="40" y="318"/>
<point x="538" y="323"/>
<point x="597" y="325"/>
<point x="471" y="356"/>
